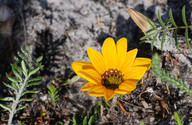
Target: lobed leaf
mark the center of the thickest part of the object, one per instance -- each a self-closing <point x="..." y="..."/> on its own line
<point x="29" y="91"/>
<point x="160" y="20"/>
<point x="9" y="86"/>
<point x="184" y="16"/>
<point x="11" y="78"/>
<point x="15" y="72"/>
<point x="5" y="107"/>
<point x="20" y="108"/>
<point x="34" y="71"/>
<point x="24" y="68"/>
<point x="33" y="83"/>
<point x="34" y="79"/>
<point x="7" y="99"/>
<point x="39" y="59"/>
<point x="26" y="99"/>
<point x="172" y="19"/>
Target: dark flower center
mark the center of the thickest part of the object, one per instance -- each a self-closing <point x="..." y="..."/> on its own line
<point x="111" y="79"/>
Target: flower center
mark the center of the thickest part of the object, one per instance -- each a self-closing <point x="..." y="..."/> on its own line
<point x="111" y="79"/>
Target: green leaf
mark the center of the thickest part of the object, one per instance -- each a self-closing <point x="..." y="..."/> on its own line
<point x="141" y="123"/>
<point x="33" y="83"/>
<point x="39" y="59"/>
<point x="184" y="16"/>
<point x="34" y="71"/>
<point x="18" y="68"/>
<point x="74" y="120"/>
<point x="16" y="59"/>
<point x="153" y="40"/>
<point x="187" y="38"/>
<point x="172" y="19"/>
<point x="20" y="108"/>
<point x="26" y="99"/>
<point x="9" y="86"/>
<point x="21" y="56"/>
<point x="15" y="72"/>
<point x="34" y="79"/>
<point x="29" y="91"/>
<point x="91" y="120"/>
<point x="146" y="36"/>
<point x="11" y="78"/>
<point x="5" y="107"/>
<point x="24" y="68"/>
<point x="163" y="39"/>
<point x="175" y="37"/>
<point x="24" y="51"/>
<point x="85" y="120"/>
<point x="160" y="20"/>
<point x="7" y="99"/>
<point x="178" y="120"/>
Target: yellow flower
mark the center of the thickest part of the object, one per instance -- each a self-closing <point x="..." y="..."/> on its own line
<point x="115" y="71"/>
<point x="140" y="20"/>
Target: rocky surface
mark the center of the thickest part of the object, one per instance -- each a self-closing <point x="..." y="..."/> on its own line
<point x="61" y="31"/>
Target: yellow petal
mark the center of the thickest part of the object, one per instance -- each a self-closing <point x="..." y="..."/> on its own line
<point x="109" y="94"/>
<point x="96" y="94"/>
<point x="87" y="86"/>
<point x="90" y="75"/>
<point x="142" y="62"/>
<point x="97" y="60"/>
<point x="97" y="91"/>
<point x="121" y="52"/>
<point x="118" y="91"/>
<point x="80" y="65"/>
<point x="129" y="59"/>
<point x="109" y="53"/>
<point x="128" y="85"/>
<point x="135" y="73"/>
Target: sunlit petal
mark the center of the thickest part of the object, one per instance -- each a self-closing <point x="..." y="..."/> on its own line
<point x="109" y="94"/>
<point x="81" y="65"/>
<point x="142" y="62"/>
<point x="90" y="75"/>
<point x="129" y="59"/>
<point x="109" y="53"/>
<point x="135" y="73"/>
<point x="97" y="60"/>
<point x="118" y="91"/>
<point x="121" y="52"/>
<point x="88" y="86"/>
<point x="128" y="85"/>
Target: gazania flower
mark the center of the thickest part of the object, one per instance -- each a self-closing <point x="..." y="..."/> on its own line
<point x="115" y="71"/>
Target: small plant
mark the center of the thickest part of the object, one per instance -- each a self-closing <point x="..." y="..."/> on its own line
<point x="24" y="73"/>
<point x="53" y="93"/>
<point x="167" y="77"/>
<point x="88" y="119"/>
<point x="162" y="32"/>
<point x="178" y="120"/>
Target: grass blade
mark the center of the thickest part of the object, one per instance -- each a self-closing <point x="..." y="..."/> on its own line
<point x="172" y="19"/>
<point x="154" y="38"/>
<point x="187" y="38"/>
<point x="184" y="16"/>
<point x="175" y="37"/>
<point x="160" y="20"/>
<point x="163" y="39"/>
<point x="146" y="36"/>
